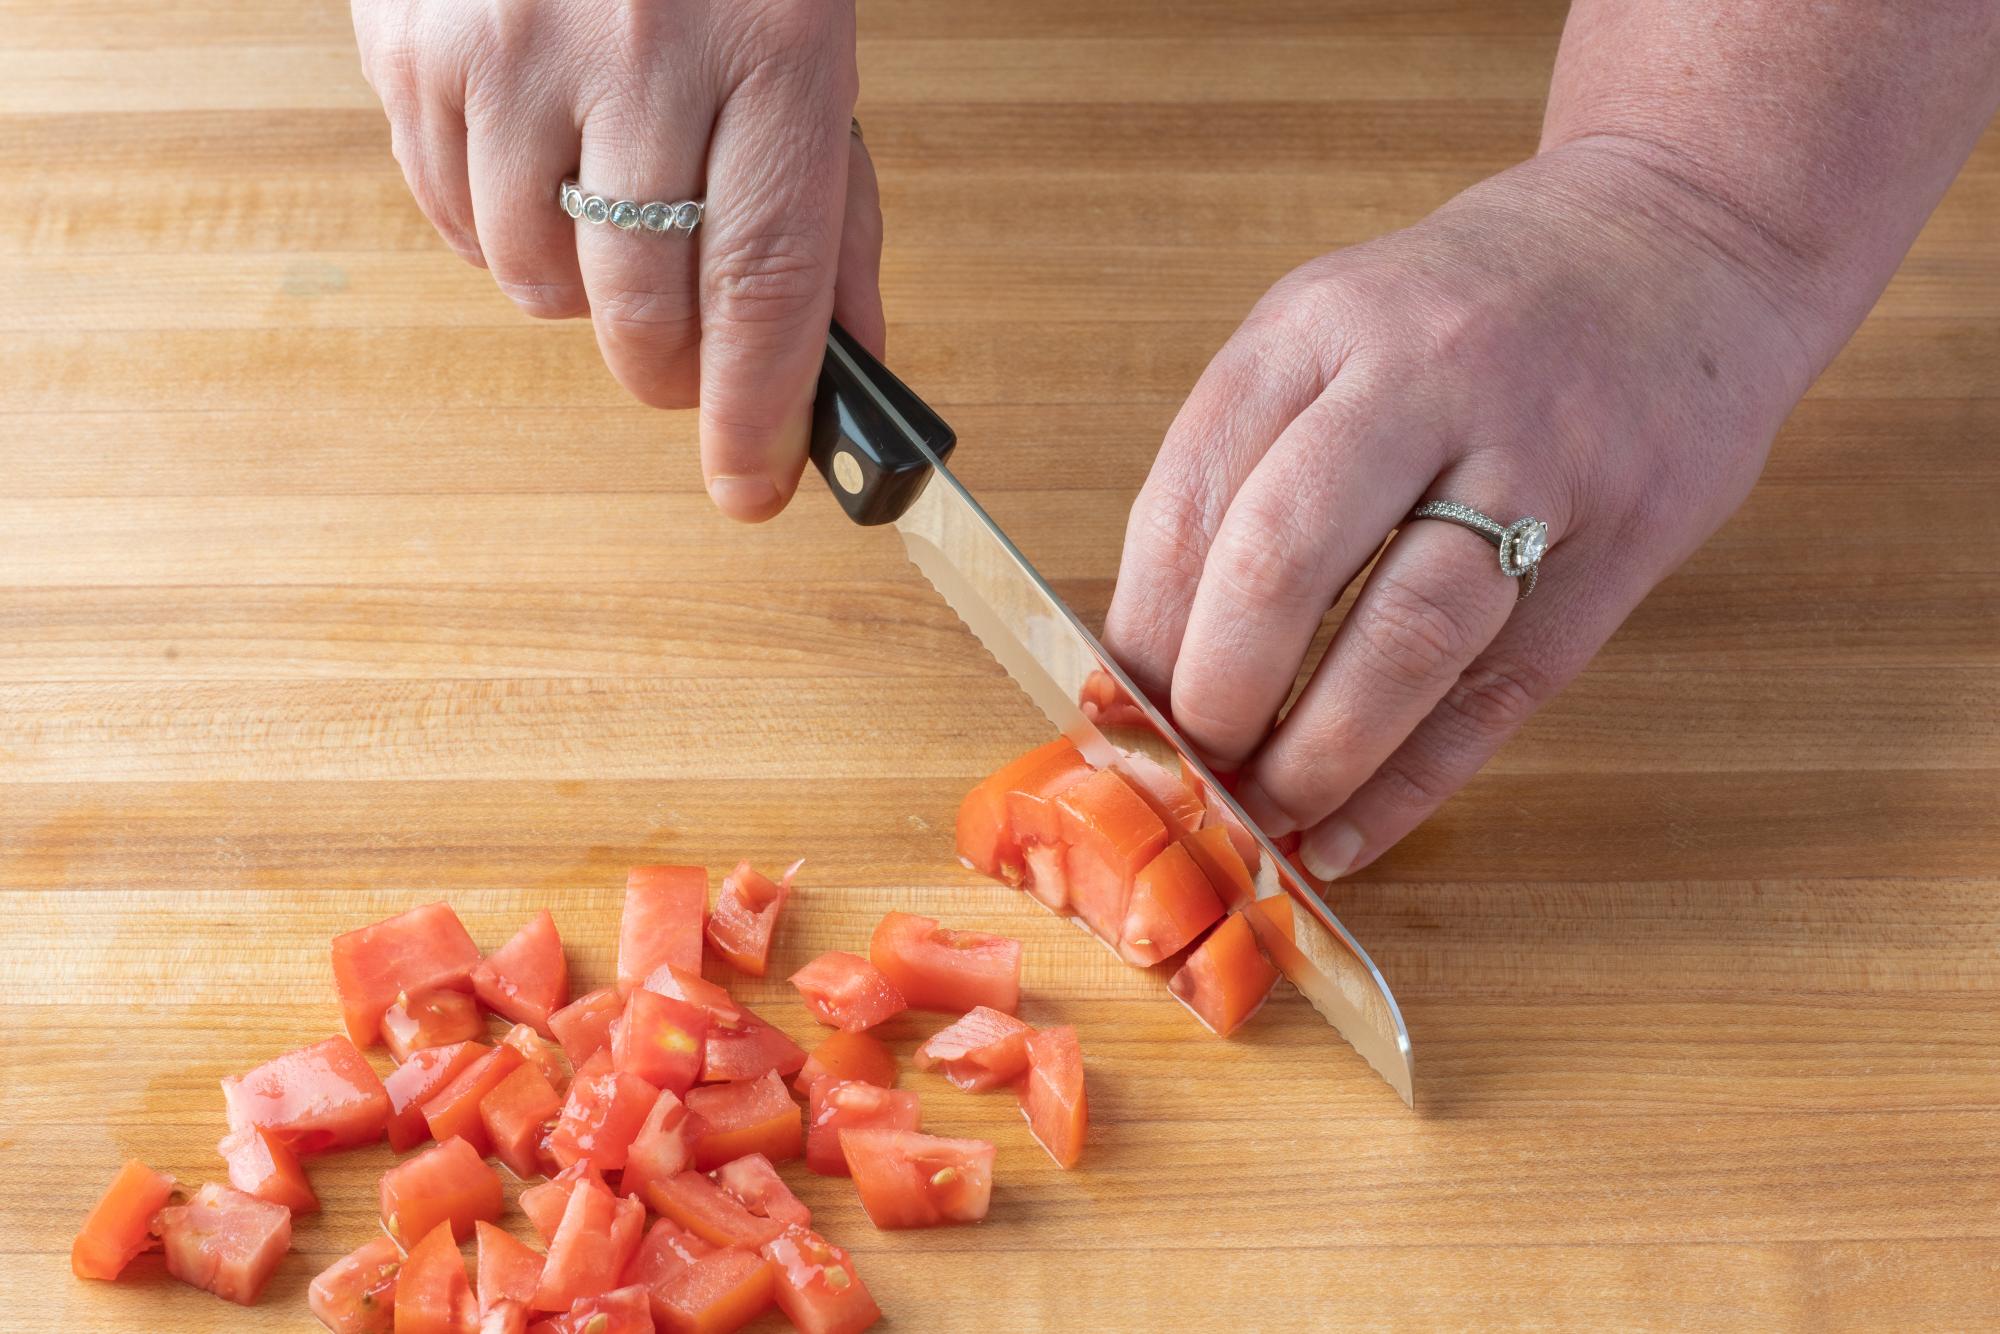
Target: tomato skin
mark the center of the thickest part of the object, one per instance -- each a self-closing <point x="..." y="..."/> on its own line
<point x="746" y="916"/>
<point x="748" y="1049"/>
<point x="421" y="950"/>
<point x="1226" y="979"/>
<point x="593" y="1244"/>
<point x="432" y="1019"/>
<point x="432" y="1294"/>
<point x="259" y="1164"/>
<point x="414" y="1082"/>
<point x="601" y="1118"/>
<point x="118" y="1226"/>
<point x="315" y="1099"/>
<point x="526" y="979"/>
<point x="661" y="1040"/>
<point x="906" y="1179"/>
<point x="454" y="1109"/>
<point x="936" y="968"/>
<point x="847" y="992"/>
<point x="226" y="1241"/>
<point x="847" y="1056"/>
<point x="839" y="1105"/>
<point x="663" y="1148"/>
<point x="1052" y="1095"/>
<point x="507" y="1270"/>
<point x="818" y="1288"/>
<point x="356" y="1294"/>
<point x="720" y="1292"/>
<point x="513" y="1115"/>
<point x="544" y="1204"/>
<point x="1214" y="851"/>
<point x="982" y="1051"/>
<point x="986" y="833"/>
<point x="696" y="1203"/>
<point x="662" y="921"/>
<point x="749" y="1116"/>
<point x="583" y="1027"/>
<point x="752" y="1180"/>
<point x="1172" y="902"/>
<point x="666" y="1252"/>
<point x="446" y="1183"/>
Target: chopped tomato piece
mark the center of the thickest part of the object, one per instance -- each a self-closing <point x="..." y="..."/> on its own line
<point x="416" y="1081"/>
<point x="666" y="1252"/>
<point x="506" y="1317"/>
<point x="1226" y="979"/>
<point x="420" y="950"/>
<point x="1172" y="902"/>
<point x="720" y="1292"/>
<point x="987" y="841"/>
<point x="625" y="1310"/>
<point x="848" y="1056"/>
<point x="910" y="1180"/>
<point x="839" y="1105"/>
<point x="432" y="1294"/>
<point x="1109" y="833"/>
<point x="1048" y="874"/>
<point x="432" y="1019"/>
<point x="1215" y="853"/>
<point x="447" y="1183"/>
<point x="119" y="1226"/>
<point x="259" y="1164"/>
<point x="847" y="992"/>
<point x="936" y="968"/>
<point x="583" y="1027"/>
<point x="1052" y="1095"/>
<point x="591" y="1247"/>
<point x="661" y="1040"/>
<point x="662" y="921"/>
<point x="749" y="1116"/>
<point x="601" y="1119"/>
<point x="524" y="1039"/>
<point x="663" y="1148"/>
<point x="527" y="979"/>
<point x="315" y="1099"/>
<point x="544" y="1204"/>
<point x="225" y="1241"/>
<point x="683" y="985"/>
<point x="754" y="1181"/>
<point x="710" y="1212"/>
<point x="745" y="916"/>
<point x="817" y="1286"/>
<point x="1179" y="807"/>
<point x="983" y="1050"/>
<point x="516" y="1114"/>
<point x="1272" y="916"/>
<point x="748" y="1049"/>
<point x="454" y="1109"/>
<point x="508" y="1270"/>
<point x="356" y="1294"/>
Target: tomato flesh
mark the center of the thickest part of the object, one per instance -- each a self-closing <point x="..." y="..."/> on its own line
<point x="748" y="1049"/>
<point x="454" y="1109"/>
<point x="848" y="1056"/>
<point x="983" y="1050"/>
<point x="225" y="1241"/>
<point x="432" y="1019"/>
<point x="514" y="1115"/>
<point x="432" y="1293"/>
<point x="817" y="1286"/>
<point x="662" y="921"/>
<point x="625" y="1310"/>
<point x="748" y="1116"/>
<point x="447" y="1183"/>
<point x="315" y="1099"/>
<point x="847" y="992"/>
<point x="583" y="1027"/>
<point x="259" y="1164"/>
<point x="1214" y="851"/>
<point x="722" y="1291"/>
<point x="1172" y="903"/>
<point x="601" y="1118"/>
<point x="1109" y="833"/>
<point x="665" y="1253"/>
<point x="1179" y="807"/>
<point x="356" y="1294"/>
<point x="527" y="979"/>
<point x="763" y="1192"/>
<point x="663" y="1148"/>
<point x="746" y="915"/>
<point x="986" y="832"/>
<point x="591" y="1247"/>
<point x="544" y="1204"/>
<point x="508" y="1270"/>
<point x="936" y="968"/>
<point x="661" y="1040"/>
<point x="1226" y="979"/>
<point x="906" y="1179"/>
<point x="696" y="1203"/>
<point x="839" y="1105"/>
<point x="421" y="950"/>
<point x="524" y="1039"/>
<point x="417" y="1080"/>
<point x="1052" y="1096"/>
<point x="690" y="986"/>
<point x="119" y="1226"/>
<point x="505" y="1317"/>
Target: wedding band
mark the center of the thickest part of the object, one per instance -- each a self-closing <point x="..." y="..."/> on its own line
<point x="1522" y="542"/>
<point x="627" y="214"/>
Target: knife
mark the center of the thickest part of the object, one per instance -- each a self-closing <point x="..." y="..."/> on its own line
<point x="882" y="451"/>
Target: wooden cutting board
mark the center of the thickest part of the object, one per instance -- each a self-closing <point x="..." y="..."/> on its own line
<point x="330" y="585"/>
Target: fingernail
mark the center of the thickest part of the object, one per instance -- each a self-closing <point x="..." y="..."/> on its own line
<point x="748" y="498"/>
<point x="1260" y="808"/>
<point x="1331" y="850"/>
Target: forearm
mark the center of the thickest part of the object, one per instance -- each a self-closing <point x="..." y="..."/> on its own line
<point x="1809" y="140"/>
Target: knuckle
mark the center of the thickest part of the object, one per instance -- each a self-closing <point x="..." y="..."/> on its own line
<point x="1495" y="697"/>
<point x="1410" y="638"/>
<point x="1409" y="786"/>
<point x="646" y="315"/>
<point x="775" y="281"/>
<point x="1265" y="560"/>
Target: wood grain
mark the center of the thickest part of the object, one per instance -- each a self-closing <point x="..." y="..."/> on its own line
<point x="329" y="585"/>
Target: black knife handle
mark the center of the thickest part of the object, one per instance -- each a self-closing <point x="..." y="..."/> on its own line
<point x="864" y="420"/>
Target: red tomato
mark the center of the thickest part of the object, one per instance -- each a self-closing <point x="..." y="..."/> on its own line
<point x="748" y="1049"/>
<point x="515" y="1115"/>
<point x="506" y="1317"/>
<point x="910" y="1180"/>
<point x="696" y="990"/>
<point x="720" y="1292"/>
<point x="454" y="1109"/>
<point x="710" y="1212"/>
<point x="663" y="1148"/>
<point x="119" y="1226"/>
<point x="763" y="1192"/>
<point x="522" y="1038"/>
<point x="1226" y="979"/>
<point x="667" y="1252"/>
<point x="259" y="1164"/>
<point x="356" y="1294"/>
<point x="839" y="1105"/>
<point x="527" y="979"/>
<point x="315" y="1099"/>
<point x="544" y="1204"/>
<point x="1179" y="807"/>
<point x="1172" y="903"/>
<point x="848" y="1056"/>
<point x="432" y="1295"/>
<point x="432" y="1019"/>
<point x="625" y="1310"/>
<point x="983" y="1050"/>
<point x="986" y="832"/>
<point x="1109" y="834"/>
<point x="847" y="992"/>
<point x="1215" y="853"/>
<point x="507" y="1269"/>
<point x="601" y="1119"/>
<point x="1052" y="1094"/>
<point x="746" y="913"/>
<point x="583" y="1027"/>
<point x="591" y="1247"/>
<point x="661" y="1040"/>
<point x="417" y="1080"/>
<point x="817" y="1286"/>
<point x="226" y="1241"/>
<point x="662" y="921"/>
<point x="447" y="1183"/>
<point x="1271" y="915"/>
<point x="420" y="950"/>
<point x="939" y="969"/>
<point x="749" y="1116"/>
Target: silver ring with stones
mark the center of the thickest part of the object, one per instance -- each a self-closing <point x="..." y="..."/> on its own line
<point x="629" y="214"/>
<point x="1521" y="542"/>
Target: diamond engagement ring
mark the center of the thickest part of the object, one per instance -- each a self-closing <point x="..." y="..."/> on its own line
<point x="628" y="215"/>
<point x="1521" y="543"/>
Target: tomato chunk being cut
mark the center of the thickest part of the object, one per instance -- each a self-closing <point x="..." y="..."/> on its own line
<point x="665" y="1253"/>
<point x="748" y="1049"/>
<point x="763" y="1192"/>
<point x="664" y="906"/>
<point x="910" y="1180"/>
<point x="508" y="1270"/>
<point x="593" y="1244"/>
<point x="601" y="1118"/>
<point x="1179" y="807"/>
<point x="696" y="1203"/>
<point x="663" y="1148"/>
<point x="119" y="1225"/>
<point x="839" y="1105"/>
<point x="315" y="1099"/>
<point x="661" y="1040"/>
<point x="447" y="1183"/>
<point x="356" y="1294"/>
<point x="432" y="1294"/>
<point x="527" y="979"/>
<point x="225" y="1241"/>
<point x="1109" y="833"/>
<point x="417" y="1080"/>
<point x="1226" y="979"/>
<point x="817" y="1286"/>
<point x="259" y="1164"/>
<point x="847" y="992"/>
<point x="544" y="1204"/>
<point x="848" y="1056"/>
<point x="983" y="1050"/>
<point x="1172" y="903"/>
<point x="936" y="968"/>
<point x="454" y="1109"/>
<point x="431" y="1019"/>
<point x="514" y="1115"/>
<point x="987" y="832"/>
<point x="722" y="1291"/>
<point x="1214" y="851"/>
<point x="626" y="1310"/>
<point x="1052" y="1095"/>
<point x="746" y="915"/>
<point x="749" y="1116"/>
<point x="583" y="1027"/>
<point x="413" y="952"/>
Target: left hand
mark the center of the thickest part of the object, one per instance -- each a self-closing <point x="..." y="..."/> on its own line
<point x="1579" y="339"/>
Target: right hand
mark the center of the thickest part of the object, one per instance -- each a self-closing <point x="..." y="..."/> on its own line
<point x="745" y="102"/>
